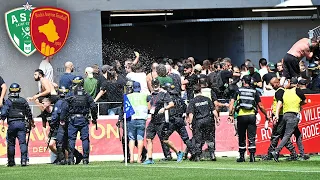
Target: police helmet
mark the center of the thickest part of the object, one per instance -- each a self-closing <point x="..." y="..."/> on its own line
<point x="312" y="66"/>
<point x="129" y="87"/>
<point x="63" y="91"/>
<point x="14" y="88"/>
<point x="77" y="80"/>
<point x="168" y="86"/>
<point x="155" y="83"/>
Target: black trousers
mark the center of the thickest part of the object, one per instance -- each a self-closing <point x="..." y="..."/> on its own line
<point x="247" y="124"/>
<point x="204" y="131"/>
<point x="177" y="124"/>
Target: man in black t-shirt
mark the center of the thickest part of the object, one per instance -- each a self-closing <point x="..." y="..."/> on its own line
<point x="201" y="122"/>
<point x="3" y="91"/>
<point x="190" y="80"/>
<point x="302" y="84"/>
<point x="159" y="103"/>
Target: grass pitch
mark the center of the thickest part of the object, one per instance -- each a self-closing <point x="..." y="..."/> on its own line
<point x="223" y="168"/>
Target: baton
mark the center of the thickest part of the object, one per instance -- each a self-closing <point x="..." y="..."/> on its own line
<point x="97" y="126"/>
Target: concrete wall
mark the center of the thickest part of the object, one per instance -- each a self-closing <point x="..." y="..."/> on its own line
<point x="283" y="34"/>
<point x="252" y="41"/>
<point x="82" y="48"/>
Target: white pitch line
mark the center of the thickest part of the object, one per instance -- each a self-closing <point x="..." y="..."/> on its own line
<point x="234" y="169"/>
<point x="213" y="168"/>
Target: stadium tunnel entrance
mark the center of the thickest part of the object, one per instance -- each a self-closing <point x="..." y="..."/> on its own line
<point x="175" y="35"/>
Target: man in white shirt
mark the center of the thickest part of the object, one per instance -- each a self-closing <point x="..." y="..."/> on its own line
<point x="47" y="69"/>
<point x="263" y="67"/>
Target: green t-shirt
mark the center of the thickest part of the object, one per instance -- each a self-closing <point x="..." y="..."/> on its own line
<point x="164" y="80"/>
<point x="90" y="86"/>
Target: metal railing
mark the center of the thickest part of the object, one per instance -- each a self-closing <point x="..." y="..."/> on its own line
<point x="33" y="106"/>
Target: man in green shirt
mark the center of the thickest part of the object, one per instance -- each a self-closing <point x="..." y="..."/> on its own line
<point x="90" y="83"/>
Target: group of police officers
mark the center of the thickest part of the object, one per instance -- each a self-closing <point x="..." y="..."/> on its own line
<point x="69" y="116"/>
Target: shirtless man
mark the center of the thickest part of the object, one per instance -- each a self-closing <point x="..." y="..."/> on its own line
<point x="302" y="48"/>
<point x="152" y="75"/>
<point x="47" y="88"/>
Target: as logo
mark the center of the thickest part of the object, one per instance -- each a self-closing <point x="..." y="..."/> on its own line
<point x="18" y="27"/>
<point x="49" y="28"/>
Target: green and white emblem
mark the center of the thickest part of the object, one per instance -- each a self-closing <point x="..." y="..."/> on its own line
<point x="18" y="28"/>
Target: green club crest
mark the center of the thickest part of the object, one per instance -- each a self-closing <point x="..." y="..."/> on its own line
<point x="18" y="28"/>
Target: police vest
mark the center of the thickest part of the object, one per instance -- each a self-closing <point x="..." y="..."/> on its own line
<point x="17" y="109"/>
<point x="206" y="92"/>
<point x="139" y="104"/>
<point x="79" y="103"/>
<point x="275" y="102"/>
<point x="247" y="98"/>
<point x="291" y="101"/>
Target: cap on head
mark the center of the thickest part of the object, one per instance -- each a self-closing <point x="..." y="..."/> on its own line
<point x="302" y="82"/>
<point x="198" y="67"/>
<point x="271" y="66"/>
<point x="250" y="65"/>
<point x="136" y="86"/>
<point x="106" y="68"/>
<point x="89" y="71"/>
<point x="14" y="88"/>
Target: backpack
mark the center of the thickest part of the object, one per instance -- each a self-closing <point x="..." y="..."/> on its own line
<point x="215" y="82"/>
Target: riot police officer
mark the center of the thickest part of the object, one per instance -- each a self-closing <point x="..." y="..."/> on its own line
<point x="248" y="100"/>
<point x="79" y="105"/>
<point x="59" y="124"/>
<point x="201" y="122"/>
<point x="16" y="109"/>
<point x="314" y="73"/>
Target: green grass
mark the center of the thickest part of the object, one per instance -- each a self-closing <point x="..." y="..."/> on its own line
<point x="224" y="168"/>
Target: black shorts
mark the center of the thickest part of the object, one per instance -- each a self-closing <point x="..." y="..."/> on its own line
<point x="153" y="129"/>
<point x="291" y="66"/>
<point x="52" y="98"/>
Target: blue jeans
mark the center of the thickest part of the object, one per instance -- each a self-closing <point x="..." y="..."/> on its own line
<point x="136" y="129"/>
<point x="114" y="111"/>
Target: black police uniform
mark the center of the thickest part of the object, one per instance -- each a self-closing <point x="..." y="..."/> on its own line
<point x="247" y="98"/>
<point x="60" y="124"/>
<point x="79" y="105"/>
<point x="203" y="123"/>
<point x="176" y="120"/>
<point x="156" y="123"/>
<point x="15" y="110"/>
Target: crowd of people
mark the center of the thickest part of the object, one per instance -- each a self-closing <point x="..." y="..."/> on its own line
<point x="177" y="94"/>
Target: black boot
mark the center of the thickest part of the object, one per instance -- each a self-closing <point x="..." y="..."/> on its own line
<point x="85" y="161"/>
<point x="252" y="158"/>
<point x="241" y="159"/>
<point x="213" y="156"/>
<point x="79" y="158"/>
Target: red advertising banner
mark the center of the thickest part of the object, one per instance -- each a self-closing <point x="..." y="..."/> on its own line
<point x="309" y="127"/>
<point x="105" y="140"/>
